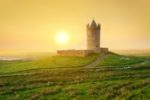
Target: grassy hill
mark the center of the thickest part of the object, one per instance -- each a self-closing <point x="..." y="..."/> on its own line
<point x="119" y="60"/>
<point x="65" y="78"/>
<point x="46" y="62"/>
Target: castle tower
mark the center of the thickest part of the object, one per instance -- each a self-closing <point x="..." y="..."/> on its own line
<point x="93" y="36"/>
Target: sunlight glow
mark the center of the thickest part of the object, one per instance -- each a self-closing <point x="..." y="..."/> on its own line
<point x="62" y="38"/>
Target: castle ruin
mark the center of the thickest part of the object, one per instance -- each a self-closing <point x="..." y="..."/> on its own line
<point x="93" y="42"/>
<point x="93" y="36"/>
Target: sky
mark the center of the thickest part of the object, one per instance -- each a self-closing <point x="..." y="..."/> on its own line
<point x="32" y="25"/>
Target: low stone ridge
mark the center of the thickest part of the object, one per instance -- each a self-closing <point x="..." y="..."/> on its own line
<point x="81" y="53"/>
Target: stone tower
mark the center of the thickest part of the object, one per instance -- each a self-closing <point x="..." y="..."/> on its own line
<point x="93" y="36"/>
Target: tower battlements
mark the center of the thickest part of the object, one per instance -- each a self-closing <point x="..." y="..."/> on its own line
<point x="93" y="25"/>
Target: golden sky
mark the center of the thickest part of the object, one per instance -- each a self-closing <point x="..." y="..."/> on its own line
<point x="31" y="25"/>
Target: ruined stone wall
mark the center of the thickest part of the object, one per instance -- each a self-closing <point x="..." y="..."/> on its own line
<point x="81" y="53"/>
<point x="104" y="50"/>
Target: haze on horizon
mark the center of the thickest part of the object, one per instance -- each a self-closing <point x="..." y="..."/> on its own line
<point x="31" y="25"/>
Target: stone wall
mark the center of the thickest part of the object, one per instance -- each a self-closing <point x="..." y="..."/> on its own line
<point x="93" y="39"/>
<point x="104" y="50"/>
<point x="81" y="53"/>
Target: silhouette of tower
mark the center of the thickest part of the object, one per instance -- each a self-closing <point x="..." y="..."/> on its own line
<point x="93" y="36"/>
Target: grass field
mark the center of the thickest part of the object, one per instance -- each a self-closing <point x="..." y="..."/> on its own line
<point x="46" y="62"/>
<point x="65" y="78"/>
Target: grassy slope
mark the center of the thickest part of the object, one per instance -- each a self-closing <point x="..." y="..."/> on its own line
<point x="82" y="83"/>
<point x="49" y="62"/>
<point x="119" y="60"/>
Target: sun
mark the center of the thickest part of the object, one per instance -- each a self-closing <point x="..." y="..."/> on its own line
<point x="62" y="37"/>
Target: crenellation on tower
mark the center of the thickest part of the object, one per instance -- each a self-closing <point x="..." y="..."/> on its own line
<point x="99" y="26"/>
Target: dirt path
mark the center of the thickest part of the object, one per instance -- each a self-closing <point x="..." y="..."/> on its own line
<point x="96" y="62"/>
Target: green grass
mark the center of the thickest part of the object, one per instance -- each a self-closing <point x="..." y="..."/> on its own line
<point x="77" y="83"/>
<point x="119" y="60"/>
<point x="49" y="62"/>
